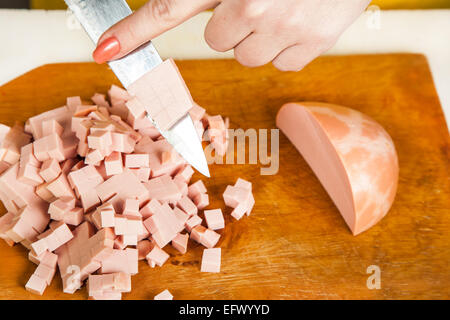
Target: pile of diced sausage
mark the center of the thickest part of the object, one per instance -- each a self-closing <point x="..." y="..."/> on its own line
<point x="91" y="188"/>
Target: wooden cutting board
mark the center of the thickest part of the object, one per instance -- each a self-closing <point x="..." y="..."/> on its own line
<point x="295" y="245"/>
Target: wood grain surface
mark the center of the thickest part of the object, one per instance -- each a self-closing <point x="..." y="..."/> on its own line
<point x="295" y="245"/>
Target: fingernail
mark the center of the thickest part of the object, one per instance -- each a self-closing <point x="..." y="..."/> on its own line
<point x="106" y="50"/>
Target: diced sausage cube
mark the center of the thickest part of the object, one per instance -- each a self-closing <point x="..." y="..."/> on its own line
<point x="201" y="200"/>
<point x="100" y="100"/>
<point x="51" y="126"/>
<point x="143" y="174"/>
<point x="93" y="157"/>
<point x="165" y="295"/>
<point x="74" y="217"/>
<point x="150" y="208"/>
<point x="50" y="170"/>
<point x="187" y="206"/>
<point x="122" y="142"/>
<point x="241" y="183"/>
<point x="182" y="216"/>
<point x="211" y="260"/>
<point x="136" y="160"/>
<point x="36" y="285"/>
<point x="73" y="102"/>
<point x="197" y="233"/>
<point x="49" y="259"/>
<point x="196" y="188"/>
<point x="120" y="225"/>
<point x="84" y="110"/>
<point x="100" y="139"/>
<point x="131" y="208"/>
<point x="214" y="219"/>
<point x="60" y="187"/>
<point x="180" y="242"/>
<point x="186" y="173"/>
<point x="144" y="247"/>
<point x="209" y="238"/>
<point x="117" y="94"/>
<point x="193" y="222"/>
<point x="113" y="163"/>
<point x="45" y="272"/>
<point x="157" y="256"/>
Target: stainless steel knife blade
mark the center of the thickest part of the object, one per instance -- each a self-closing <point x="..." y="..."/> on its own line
<point x="96" y="16"/>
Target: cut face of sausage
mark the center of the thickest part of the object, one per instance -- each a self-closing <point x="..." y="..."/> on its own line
<point x="352" y="155"/>
<point x="163" y="93"/>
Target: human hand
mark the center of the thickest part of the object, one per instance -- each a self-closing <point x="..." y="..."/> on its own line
<point x="288" y="33"/>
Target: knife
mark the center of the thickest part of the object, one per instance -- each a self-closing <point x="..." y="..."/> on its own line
<point x="96" y="16"/>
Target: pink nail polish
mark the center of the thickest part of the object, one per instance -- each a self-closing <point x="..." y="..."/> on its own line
<point x="106" y="50"/>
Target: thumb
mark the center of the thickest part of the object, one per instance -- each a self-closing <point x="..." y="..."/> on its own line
<point x="151" y="20"/>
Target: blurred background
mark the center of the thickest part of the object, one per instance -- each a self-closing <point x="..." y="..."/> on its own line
<point x="383" y="4"/>
<point x="49" y="33"/>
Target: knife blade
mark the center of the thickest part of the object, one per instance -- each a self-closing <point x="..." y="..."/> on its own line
<point x="96" y="16"/>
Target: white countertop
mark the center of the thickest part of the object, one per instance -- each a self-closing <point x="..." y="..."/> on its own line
<point x="31" y="38"/>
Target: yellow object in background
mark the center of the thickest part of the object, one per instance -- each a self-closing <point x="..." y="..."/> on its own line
<point x="383" y="4"/>
<point x="412" y="4"/>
